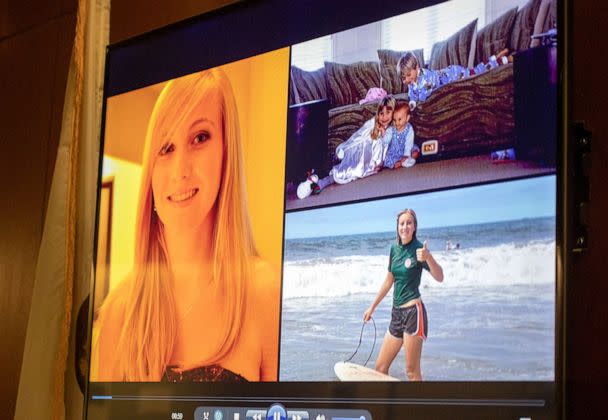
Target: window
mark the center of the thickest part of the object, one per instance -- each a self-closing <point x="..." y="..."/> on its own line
<point x="495" y="8"/>
<point x="422" y="28"/>
<point x="312" y="54"/>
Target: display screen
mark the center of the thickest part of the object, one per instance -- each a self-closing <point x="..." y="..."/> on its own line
<point x="331" y="211"/>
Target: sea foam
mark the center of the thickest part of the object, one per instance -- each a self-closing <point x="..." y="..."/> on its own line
<point x="483" y="267"/>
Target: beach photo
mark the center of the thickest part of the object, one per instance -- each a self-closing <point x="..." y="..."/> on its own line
<point x="490" y="318"/>
<point x="422" y="101"/>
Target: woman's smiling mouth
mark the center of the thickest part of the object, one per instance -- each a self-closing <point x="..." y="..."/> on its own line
<point x="183" y="196"/>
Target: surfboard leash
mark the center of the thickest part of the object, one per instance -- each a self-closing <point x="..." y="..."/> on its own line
<point x="359" y="345"/>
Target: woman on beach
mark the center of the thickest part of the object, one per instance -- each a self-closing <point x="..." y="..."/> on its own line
<point x="408" y="327"/>
<point x="196" y="306"/>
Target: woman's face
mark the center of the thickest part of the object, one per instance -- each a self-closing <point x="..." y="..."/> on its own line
<point x="406" y="227"/>
<point x="385" y="116"/>
<point x="187" y="167"/>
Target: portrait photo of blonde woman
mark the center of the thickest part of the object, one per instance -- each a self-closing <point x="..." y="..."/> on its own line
<point x="192" y="284"/>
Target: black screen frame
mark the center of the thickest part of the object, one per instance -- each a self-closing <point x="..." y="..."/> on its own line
<point x="134" y="64"/>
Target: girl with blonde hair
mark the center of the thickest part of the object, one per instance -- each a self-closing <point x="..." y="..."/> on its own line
<point x="421" y="82"/>
<point x="198" y="305"/>
<point x="363" y="153"/>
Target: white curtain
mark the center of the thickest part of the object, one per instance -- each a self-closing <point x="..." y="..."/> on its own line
<point x="495" y="8"/>
<point x="47" y="386"/>
<point x="311" y="55"/>
<point x="422" y="28"/>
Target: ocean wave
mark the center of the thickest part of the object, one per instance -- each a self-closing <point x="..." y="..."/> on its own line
<point x="484" y="267"/>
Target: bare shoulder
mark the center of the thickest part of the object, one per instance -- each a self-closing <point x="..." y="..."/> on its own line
<point x="112" y="311"/>
<point x="265" y="274"/>
<point x="106" y="333"/>
<point x="266" y="281"/>
<point x="265" y="316"/>
<point x="111" y="315"/>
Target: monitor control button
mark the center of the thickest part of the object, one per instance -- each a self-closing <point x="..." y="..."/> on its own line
<point x="276" y="412"/>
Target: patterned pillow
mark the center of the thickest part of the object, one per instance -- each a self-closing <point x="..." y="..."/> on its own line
<point x="457" y="49"/>
<point x="389" y="80"/>
<point x="495" y="36"/>
<point x="306" y="85"/>
<point x="545" y="19"/>
<point x="551" y="18"/>
<point x="348" y="83"/>
<point x="523" y="27"/>
<point x="391" y="57"/>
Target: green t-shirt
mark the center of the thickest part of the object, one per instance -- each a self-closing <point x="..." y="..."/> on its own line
<point x="407" y="271"/>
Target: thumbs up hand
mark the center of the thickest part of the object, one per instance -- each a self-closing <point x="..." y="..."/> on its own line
<point x="422" y="254"/>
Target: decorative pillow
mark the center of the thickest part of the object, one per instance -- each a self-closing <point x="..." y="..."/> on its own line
<point x="391" y="57"/>
<point x="523" y="27"/>
<point x="495" y="36"/>
<point x="389" y="80"/>
<point x="545" y="19"/>
<point x="551" y="19"/>
<point x="306" y="85"/>
<point x="348" y="83"/>
<point x="457" y="49"/>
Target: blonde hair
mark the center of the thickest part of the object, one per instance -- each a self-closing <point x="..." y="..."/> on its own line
<point x="146" y="339"/>
<point x="407" y="62"/>
<point x="411" y="213"/>
<point x="386" y="102"/>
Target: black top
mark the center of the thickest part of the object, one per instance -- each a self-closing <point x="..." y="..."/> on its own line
<point x="212" y="373"/>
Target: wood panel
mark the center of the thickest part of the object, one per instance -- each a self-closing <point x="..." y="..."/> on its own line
<point x="17" y="16"/>
<point x="33" y="86"/>
<point x="130" y="18"/>
<point x="587" y="316"/>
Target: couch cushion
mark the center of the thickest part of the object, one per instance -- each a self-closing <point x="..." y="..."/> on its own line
<point x="495" y="36"/>
<point x="348" y="83"/>
<point x="545" y="19"/>
<point x="457" y="49"/>
<point x="475" y="114"/>
<point x="391" y="57"/>
<point x="523" y="27"/>
<point x="390" y="81"/>
<point x="551" y="18"/>
<point x="306" y="85"/>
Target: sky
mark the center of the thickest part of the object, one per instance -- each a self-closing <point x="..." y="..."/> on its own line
<point x="513" y="200"/>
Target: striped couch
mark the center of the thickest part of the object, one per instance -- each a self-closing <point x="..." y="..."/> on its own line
<point x="470" y="116"/>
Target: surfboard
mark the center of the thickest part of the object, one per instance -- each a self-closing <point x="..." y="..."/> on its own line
<point x="352" y="372"/>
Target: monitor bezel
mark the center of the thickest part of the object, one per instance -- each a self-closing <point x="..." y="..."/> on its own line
<point x="128" y="58"/>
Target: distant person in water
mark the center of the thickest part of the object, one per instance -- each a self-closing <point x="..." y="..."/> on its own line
<point x="449" y="246"/>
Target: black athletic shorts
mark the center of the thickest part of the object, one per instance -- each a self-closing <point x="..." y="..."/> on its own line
<point x="411" y="320"/>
